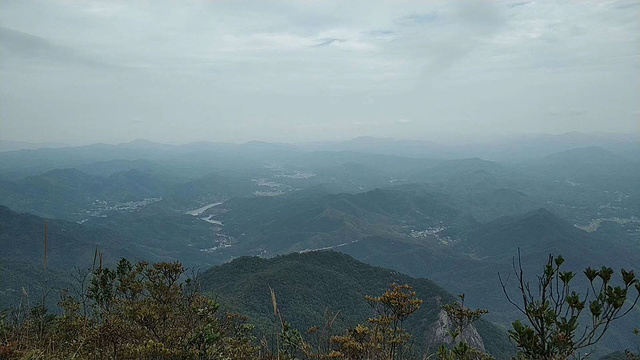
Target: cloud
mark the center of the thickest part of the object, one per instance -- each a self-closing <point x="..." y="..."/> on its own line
<point x="413" y="19"/>
<point x="24" y="48"/>
<point x="516" y="4"/>
<point x="329" y="41"/>
<point x="199" y="66"/>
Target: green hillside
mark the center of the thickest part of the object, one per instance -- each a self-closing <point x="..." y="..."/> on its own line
<point x="68" y="245"/>
<point x="74" y="195"/>
<point x="472" y="262"/>
<point x="313" y="219"/>
<point x="308" y="284"/>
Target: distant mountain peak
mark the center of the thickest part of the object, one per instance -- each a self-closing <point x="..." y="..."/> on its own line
<point x="144" y="144"/>
<point x="141" y="141"/>
<point x="539" y="230"/>
<point x="543" y="220"/>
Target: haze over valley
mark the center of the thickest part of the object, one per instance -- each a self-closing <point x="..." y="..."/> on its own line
<point x="242" y="180"/>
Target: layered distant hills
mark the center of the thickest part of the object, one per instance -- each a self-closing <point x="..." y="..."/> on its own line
<point x="456" y="221"/>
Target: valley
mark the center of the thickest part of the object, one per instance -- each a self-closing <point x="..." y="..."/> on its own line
<point x="457" y="222"/>
<point x="319" y="180"/>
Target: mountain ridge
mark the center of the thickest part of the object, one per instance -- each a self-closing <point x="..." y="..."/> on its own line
<point x="307" y="284"/>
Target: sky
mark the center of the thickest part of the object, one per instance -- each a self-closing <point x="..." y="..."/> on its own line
<point x="112" y="71"/>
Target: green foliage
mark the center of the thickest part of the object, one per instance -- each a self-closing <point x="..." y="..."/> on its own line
<point x="142" y="310"/>
<point x="382" y="337"/>
<point x="69" y="244"/>
<point x="311" y="284"/>
<point x="134" y="311"/>
<point x="553" y="330"/>
<point x="462" y="318"/>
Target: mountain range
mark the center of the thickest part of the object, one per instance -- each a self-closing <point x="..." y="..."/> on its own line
<point x="458" y="222"/>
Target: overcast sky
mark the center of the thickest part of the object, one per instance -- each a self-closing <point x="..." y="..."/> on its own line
<point x="181" y="71"/>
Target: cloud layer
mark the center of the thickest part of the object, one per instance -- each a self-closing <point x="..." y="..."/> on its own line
<point x="112" y="71"/>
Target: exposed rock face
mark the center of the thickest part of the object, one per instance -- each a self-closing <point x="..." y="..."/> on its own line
<point x="439" y="334"/>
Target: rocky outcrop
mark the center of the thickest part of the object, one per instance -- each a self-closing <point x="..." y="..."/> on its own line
<point x="438" y="334"/>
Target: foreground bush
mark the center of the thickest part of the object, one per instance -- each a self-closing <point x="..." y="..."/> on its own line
<point x="560" y="321"/>
<point x="137" y="311"/>
<point x="155" y="311"/>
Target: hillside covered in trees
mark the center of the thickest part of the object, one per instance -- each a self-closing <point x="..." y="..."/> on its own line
<point x="457" y="222"/>
<point x="302" y="306"/>
<point x="316" y="180"/>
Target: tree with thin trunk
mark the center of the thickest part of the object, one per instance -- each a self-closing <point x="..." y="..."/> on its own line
<point x="555" y="328"/>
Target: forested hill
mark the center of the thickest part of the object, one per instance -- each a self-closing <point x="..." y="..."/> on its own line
<point x="69" y="244"/>
<point x="307" y="285"/>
